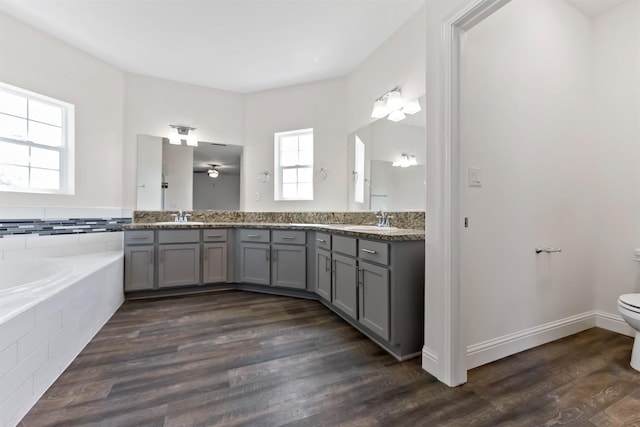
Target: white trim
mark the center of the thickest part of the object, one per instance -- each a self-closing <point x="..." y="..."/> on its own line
<point x="451" y="367"/>
<point x="614" y="323"/>
<point x="506" y="345"/>
<point x="429" y="360"/>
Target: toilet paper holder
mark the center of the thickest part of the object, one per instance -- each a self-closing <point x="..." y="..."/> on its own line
<point x="548" y="249"/>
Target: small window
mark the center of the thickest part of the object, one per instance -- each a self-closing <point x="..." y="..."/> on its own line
<point x="36" y="142"/>
<point x="294" y="165"/>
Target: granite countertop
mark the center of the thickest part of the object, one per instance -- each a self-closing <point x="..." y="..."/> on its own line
<point x="372" y="232"/>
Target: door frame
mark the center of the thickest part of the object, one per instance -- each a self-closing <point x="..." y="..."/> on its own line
<point x="448" y="364"/>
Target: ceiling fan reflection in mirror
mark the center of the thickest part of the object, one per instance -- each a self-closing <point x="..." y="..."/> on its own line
<point x="213" y="171"/>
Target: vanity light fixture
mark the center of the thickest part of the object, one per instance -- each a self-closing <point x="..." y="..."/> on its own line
<point x="394" y="106"/>
<point x="405" y="161"/>
<point x="178" y="133"/>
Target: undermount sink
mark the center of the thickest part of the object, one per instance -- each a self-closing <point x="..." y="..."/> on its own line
<point x="179" y="223"/>
<point x="369" y="228"/>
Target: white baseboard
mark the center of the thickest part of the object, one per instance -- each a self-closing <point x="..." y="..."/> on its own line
<point x="497" y="348"/>
<point x="613" y="322"/>
<point x="430" y="361"/>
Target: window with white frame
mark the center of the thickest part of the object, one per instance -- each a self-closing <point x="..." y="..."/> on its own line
<point x="36" y="142"/>
<point x="294" y="165"/>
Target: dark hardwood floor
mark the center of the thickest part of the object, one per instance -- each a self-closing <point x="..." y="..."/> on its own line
<point x="239" y="358"/>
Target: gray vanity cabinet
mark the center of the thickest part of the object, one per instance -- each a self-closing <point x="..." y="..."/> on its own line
<point x="323" y="265"/>
<point x="138" y="260"/>
<point x="255" y="256"/>
<point x="323" y="274"/>
<point x="345" y="290"/>
<point x="373" y="298"/>
<point x="361" y="282"/>
<point x="255" y="264"/>
<point x="289" y="259"/>
<point x="289" y="266"/>
<point x="178" y="258"/>
<point x="214" y="256"/>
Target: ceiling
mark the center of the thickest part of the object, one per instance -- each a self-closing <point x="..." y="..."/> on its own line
<point x="225" y="157"/>
<point x="594" y="7"/>
<point x="238" y="45"/>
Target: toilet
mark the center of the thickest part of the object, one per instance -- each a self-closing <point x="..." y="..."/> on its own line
<point x="629" y="308"/>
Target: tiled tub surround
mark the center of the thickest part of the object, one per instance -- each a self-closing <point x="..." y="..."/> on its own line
<point x="47" y="331"/>
<point x="405" y="220"/>
<point x="41" y="332"/>
<point x="51" y="227"/>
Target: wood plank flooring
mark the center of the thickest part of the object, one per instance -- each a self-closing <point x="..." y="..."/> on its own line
<point x="243" y="359"/>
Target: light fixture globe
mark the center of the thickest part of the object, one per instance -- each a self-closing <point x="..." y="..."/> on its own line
<point x="412" y="107"/>
<point x="174" y="138"/>
<point x="394" y="100"/>
<point x="379" y="109"/>
<point x="396" y="116"/>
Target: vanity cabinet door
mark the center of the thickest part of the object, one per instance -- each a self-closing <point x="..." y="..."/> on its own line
<point x="289" y="266"/>
<point x="323" y="274"/>
<point x="214" y="263"/>
<point x="373" y="307"/>
<point x="255" y="263"/>
<point x="178" y="265"/>
<point x="138" y="267"/>
<point x="345" y="291"/>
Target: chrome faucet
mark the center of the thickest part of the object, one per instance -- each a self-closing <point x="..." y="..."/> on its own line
<point x="383" y="218"/>
<point x="180" y="217"/>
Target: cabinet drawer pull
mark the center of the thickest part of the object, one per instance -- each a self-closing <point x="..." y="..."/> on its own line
<point x="253" y="235"/>
<point x="138" y="238"/>
<point x="212" y="236"/>
<point x="369" y="251"/>
<point x="321" y="240"/>
<point x="288" y="238"/>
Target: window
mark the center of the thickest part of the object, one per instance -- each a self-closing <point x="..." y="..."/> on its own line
<point x="36" y="142"/>
<point x="294" y="165"/>
<point x="359" y="171"/>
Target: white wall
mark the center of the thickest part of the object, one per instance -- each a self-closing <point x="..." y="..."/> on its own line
<point x="320" y="106"/>
<point x="151" y="105"/>
<point x="399" y="61"/>
<point x="526" y="123"/>
<point x="35" y="61"/>
<point x="617" y="120"/>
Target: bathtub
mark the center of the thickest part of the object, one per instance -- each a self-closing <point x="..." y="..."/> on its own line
<point x="27" y="275"/>
<point x="50" y="308"/>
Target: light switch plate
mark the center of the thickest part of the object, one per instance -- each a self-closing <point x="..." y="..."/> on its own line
<point x="474" y="177"/>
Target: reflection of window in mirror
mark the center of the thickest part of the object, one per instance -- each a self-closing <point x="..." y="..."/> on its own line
<point x="294" y="165"/>
<point x="359" y="171"/>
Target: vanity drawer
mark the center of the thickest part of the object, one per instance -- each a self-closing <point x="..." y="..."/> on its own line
<point x="214" y="235"/>
<point x="178" y="236"/>
<point x="138" y="237"/>
<point x="344" y="245"/>
<point x="374" y="251"/>
<point x="323" y="241"/>
<point x="289" y="237"/>
<point x="254" y="235"/>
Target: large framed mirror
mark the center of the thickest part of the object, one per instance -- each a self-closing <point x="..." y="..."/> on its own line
<point x="174" y="177"/>
<point x="386" y="164"/>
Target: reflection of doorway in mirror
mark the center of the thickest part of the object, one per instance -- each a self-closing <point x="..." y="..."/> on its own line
<point x="359" y="171"/>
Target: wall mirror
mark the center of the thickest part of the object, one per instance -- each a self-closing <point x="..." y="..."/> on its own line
<point x="173" y="177"/>
<point x="386" y="164"/>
